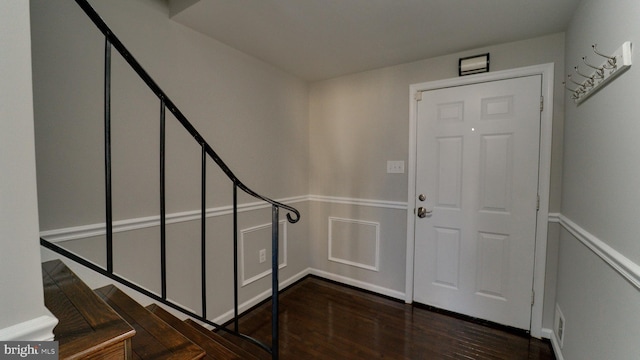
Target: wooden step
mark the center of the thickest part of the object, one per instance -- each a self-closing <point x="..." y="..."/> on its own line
<point x="154" y="339"/>
<point x="215" y="345"/>
<point x="239" y="346"/>
<point x="87" y="327"/>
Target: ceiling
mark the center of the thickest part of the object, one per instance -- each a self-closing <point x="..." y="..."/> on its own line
<point x="321" y="39"/>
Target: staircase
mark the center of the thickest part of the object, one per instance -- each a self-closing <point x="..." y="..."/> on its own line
<point x="107" y="324"/>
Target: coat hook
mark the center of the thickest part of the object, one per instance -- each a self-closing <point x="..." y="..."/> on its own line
<point x="583" y="85"/>
<point x="599" y="70"/>
<point x="611" y="60"/>
<point x="590" y="79"/>
<point x="575" y="93"/>
<point x="578" y="90"/>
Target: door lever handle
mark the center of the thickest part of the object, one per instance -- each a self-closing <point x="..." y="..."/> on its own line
<point x="423" y="212"/>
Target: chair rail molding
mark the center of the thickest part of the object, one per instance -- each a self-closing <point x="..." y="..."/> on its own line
<point x="620" y="263"/>
<point x="85" y="231"/>
<point x="400" y="205"/>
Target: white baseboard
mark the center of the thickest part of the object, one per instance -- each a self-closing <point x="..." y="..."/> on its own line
<point x="359" y="284"/>
<point x="259" y="298"/>
<point x="96" y="280"/>
<point x="309" y="271"/>
<point x="38" y="329"/>
<point x="554" y="343"/>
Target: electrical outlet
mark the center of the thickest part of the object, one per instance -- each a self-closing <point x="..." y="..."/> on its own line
<point x="263" y="255"/>
<point x="395" y="167"/>
<point x="560" y="327"/>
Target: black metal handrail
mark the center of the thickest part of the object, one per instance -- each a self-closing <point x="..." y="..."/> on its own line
<point x="111" y="41"/>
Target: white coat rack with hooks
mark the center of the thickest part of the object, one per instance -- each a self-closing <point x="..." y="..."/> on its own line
<point x="597" y="71"/>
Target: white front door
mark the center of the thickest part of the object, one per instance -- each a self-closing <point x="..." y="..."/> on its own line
<point x="477" y="169"/>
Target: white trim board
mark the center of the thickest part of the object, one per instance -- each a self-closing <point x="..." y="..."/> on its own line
<point x="376" y="261"/>
<point x="557" y="350"/>
<point x="37" y="329"/>
<point x="554" y="217"/>
<point x="620" y="263"/>
<point x="357" y="283"/>
<point x="544" y="174"/>
<point x="86" y="231"/>
<point x="359" y="202"/>
<point x="243" y="255"/>
<point x="221" y="319"/>
<point x="95" y="280"/>
<point x="310" y="271"/>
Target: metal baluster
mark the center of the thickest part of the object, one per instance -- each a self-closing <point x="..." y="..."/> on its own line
<point x="111" y="41"/>
<point x="274" y="282"/>
<point x="235" y="258"/>
<point x="107" y="154"/>
<point x="203" y="227"/>
<point x="163" y="210"/>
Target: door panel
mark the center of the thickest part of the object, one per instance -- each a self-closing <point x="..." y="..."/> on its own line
<point x="449" y="187"/>
<point x="477" y="165"/>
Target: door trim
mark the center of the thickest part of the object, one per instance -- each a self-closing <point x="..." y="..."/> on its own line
<point x="544" y="175"/>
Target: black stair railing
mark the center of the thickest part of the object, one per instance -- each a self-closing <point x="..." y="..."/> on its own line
<point x="111" y="41"/>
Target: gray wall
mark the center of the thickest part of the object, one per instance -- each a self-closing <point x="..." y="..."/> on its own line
<point x="329" y="139"/>
<point x="600" y="192"/>
<point x="334" y="137"/>
<point x="358" y="122"/>
<point x="254" y="115"/>
<point x="21" y="303"/>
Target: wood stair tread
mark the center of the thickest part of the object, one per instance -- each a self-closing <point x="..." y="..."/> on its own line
<point x="215" y="346"/>
<point x="154" y="339"/>
<point x="87" y="328"/>
<point x="243" y="347"/>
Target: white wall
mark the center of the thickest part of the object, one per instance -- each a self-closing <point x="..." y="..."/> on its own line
<point x="22" y="312"/>
<point x="359" y="121"/>
<point x="600" y="193"/>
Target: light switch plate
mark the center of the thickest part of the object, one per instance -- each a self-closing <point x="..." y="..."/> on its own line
<point x="395" y="167"/>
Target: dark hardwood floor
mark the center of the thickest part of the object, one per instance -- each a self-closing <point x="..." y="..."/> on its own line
<point x="323" y="320"/>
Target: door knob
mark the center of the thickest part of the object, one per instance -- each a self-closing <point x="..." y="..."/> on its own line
<point x="421" y="197"/>
<point x="423" y="212"/>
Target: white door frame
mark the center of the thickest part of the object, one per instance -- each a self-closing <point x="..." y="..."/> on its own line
<point x="544" y="175"/>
